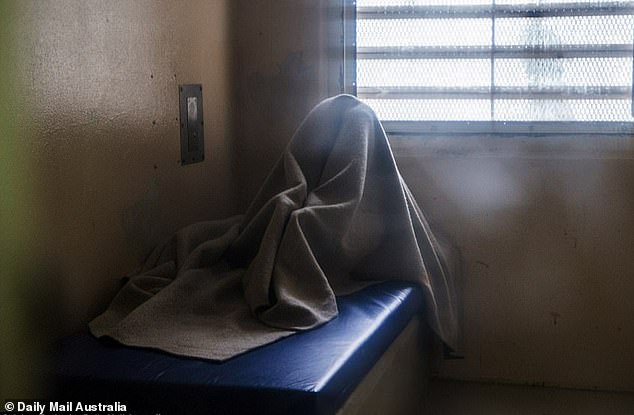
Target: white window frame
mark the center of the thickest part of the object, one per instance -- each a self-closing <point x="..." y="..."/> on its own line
<point x="472" y="127"/>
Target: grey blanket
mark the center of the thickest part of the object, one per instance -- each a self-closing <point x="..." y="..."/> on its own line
<point x="334" y="215"/>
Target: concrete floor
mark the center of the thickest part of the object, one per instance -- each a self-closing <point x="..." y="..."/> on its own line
<point x="458" y="398"/>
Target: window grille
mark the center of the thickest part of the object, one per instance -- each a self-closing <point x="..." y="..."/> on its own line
<point x="560" y="66"/>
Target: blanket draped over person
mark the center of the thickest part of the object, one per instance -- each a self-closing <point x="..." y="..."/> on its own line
<point x="334" y="215"/>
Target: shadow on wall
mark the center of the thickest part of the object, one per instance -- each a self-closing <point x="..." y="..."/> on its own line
<point x="27" y="292"/>
<point x="285" y="91"/>
<point x="275" y="106"/>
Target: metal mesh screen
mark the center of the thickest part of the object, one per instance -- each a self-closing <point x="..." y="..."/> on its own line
<point x="502" y="60"/>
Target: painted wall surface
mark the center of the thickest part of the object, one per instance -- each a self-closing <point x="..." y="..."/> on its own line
<point x="545" y="225"/>
<point x="280" y="75"/>
<point x="95" y="103"/>
<point x="546" y="237"/>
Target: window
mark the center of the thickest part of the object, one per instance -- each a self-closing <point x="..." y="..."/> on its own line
<point x="502" y="65"/>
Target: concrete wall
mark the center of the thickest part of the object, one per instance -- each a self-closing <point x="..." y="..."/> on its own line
<point x="546" y="225"/>
<point x="94" y="153"/>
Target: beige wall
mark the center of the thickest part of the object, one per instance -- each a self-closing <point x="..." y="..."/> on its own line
<point x="546" y="226"/>
<point x="547" y="236"/>
<point x="280" y="75"/>
<point x="95" y="105"/>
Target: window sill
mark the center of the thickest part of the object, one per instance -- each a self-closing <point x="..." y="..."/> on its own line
<point x="556" y="146"/>
<point x="508" y="128"/>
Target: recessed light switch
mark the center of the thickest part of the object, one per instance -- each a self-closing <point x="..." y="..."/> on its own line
<point x="191" y="115"/>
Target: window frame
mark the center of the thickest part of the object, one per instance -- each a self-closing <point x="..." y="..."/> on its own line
<point x="349" y="72"/>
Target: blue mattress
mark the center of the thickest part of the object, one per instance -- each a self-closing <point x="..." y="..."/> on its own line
<point x="312" y="372"/>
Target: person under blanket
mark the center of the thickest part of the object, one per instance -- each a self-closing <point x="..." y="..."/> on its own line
<point x="334" y="215"/>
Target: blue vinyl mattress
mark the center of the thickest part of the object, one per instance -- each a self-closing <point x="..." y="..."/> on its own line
<point x="312" y="372"/>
